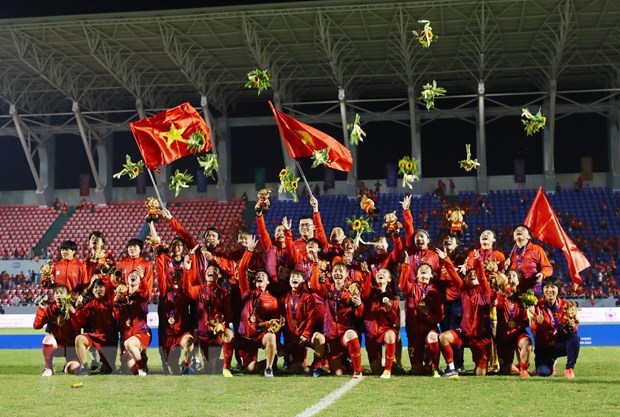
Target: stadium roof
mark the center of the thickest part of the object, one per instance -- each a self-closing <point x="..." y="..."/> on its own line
<point x="107" y="62"/>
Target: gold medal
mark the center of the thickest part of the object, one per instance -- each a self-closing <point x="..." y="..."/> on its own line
<point x="294" y="323"/>
<point x="171" y="320"/>
<point x="127" y="323"/>
<point x="336" y="318"/>
<point x="511" y="324"/>
<point x="253" y="318"/>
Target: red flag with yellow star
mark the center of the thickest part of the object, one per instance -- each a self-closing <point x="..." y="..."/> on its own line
<point x="164" y="137"/>
<point x="303" y="140"/>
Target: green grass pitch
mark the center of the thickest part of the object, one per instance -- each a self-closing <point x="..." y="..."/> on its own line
<point x="25" y="393"/>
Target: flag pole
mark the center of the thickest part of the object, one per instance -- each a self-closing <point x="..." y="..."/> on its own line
<point x="161" y="202"/>
<point x="303" y="176"/>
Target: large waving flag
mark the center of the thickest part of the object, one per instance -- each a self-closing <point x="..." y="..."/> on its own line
<point x="303" y="140"/>
<point x="546" y="227"/>
<point x="164" y="137"/>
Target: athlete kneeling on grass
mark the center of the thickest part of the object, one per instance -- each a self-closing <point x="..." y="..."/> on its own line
<point x="381" y="321"/>
<point x="475" y="331"/>
<point x="343" y="308"/>
<point x="131" y="310"/>
<point x="259" y="311"/>
<point x="298" y="307"/>
<point x="98" y="317"/>
<point x="554" y="323"/>
<point x="61" y="338"/>
<point x="213" y="310"/>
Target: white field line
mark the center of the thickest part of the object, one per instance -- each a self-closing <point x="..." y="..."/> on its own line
<point x="330" y="399"/>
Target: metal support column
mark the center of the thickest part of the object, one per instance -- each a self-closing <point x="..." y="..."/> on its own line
<point x="223" y="151"/>
<point x="44" y="198"/>
<point x="549" y="139"/>
<point x="482" y="181"/>
<point x="351" y="186"/>
<point x="416" y="144"/>
<point x="613" y="181"/>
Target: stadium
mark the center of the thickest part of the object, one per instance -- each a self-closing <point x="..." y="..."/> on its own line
<point x="505" y="112"/>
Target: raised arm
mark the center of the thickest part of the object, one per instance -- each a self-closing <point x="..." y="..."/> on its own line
<point x="179" y="229"/>
<point x="263" y="234"/>
<point x="407" y="220"/>
<point x="450" y="269"/>
<point x="244" y="284"/>
<point x="403" y="282"/>
<point x="315" y="285"/>
<point x="319" y="230"/>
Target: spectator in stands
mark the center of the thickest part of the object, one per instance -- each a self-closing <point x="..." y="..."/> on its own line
<point x="362" y="189"/>
<point x="579" y="183"/>
<point x="317" y="189"/>
<point x="452" y="187"/>
<point x="440" y="190"/>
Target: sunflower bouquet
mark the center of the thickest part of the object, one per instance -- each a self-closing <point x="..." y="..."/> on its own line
<point x="408" y="167"/>
<point x="132" y="169"/>
<point x="209" y="164"/>
<point x="180" y="180"/>
<point x="259" y="79"/>
<point x="196" y="142"/>
<point x="66" y="305"/>
<point x="357" y="134"/>
<point x="528" y="299"/>
<point x="289" y="183"/>
<point x="320" y="157"/>
<point x="533" y="122"/>
<point x="426" y="35"/>
<point x="359" y="225"/>
<point x="429" y="92"/>
<point x="468" y="164"/>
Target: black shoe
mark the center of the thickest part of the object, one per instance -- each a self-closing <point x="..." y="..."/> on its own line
<point x="451" y="374"/>
<point x="83" y="371"/>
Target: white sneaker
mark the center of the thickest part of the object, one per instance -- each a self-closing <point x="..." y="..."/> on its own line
<point x="47" y="372"/>
<point x="268" y="373"/>
<point x="142" y="372"/>
<point x="386" y="375"/>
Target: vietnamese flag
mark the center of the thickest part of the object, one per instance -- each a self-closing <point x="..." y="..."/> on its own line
<point x="163" y="138"/>
<point x="546" y="227"/>
<point x="302" y="140"/>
